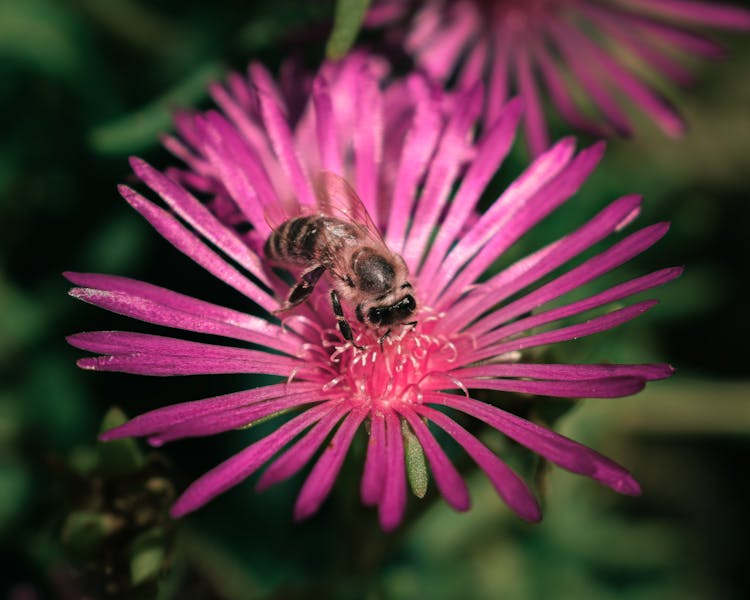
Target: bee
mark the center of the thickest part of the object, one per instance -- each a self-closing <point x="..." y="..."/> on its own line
<point x="338" y="236"/>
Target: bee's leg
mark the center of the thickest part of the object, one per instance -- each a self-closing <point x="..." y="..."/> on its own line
<point x="303" y="288"/>
<point x="382" y="338"/>
<point x="343" y="324"/>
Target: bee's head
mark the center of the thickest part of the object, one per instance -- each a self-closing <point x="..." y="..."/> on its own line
<point x="385" y="315"/>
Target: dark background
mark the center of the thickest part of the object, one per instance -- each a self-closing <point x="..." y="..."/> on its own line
<point x="85" y="83"/>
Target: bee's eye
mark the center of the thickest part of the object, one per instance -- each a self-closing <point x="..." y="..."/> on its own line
<point x="375" y="315"/>
<point x="409" y="304"/>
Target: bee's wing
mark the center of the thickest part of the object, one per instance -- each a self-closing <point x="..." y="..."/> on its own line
<point x="337" y="199"/>
<point x="280" y="212"/>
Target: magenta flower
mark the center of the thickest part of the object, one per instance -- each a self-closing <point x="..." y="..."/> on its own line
<point x="573" y="48"/>
<point x="405" y="155"/>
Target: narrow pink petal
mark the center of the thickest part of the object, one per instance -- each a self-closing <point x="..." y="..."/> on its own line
<point x="281" y="140"/>
<point x="669" y="35"/>
<point x="320" y="480"/>
<point x="643" y="47"/>
<point x="535" y="266"/>
<point x="602" y="263"/>
<point x="199" y="217"/>
<point x="491" y="152"/>
<point x="263" y="81"/>
<point x="558" y="449"/>
<point x="296" y="456"/>
<point x="416" y="152"/>
<point x="562" y="98"/>
<point x="562" y="372"/>
<point x="572" y="332"/>
<point x="447" y="478"/>
<point x="425" y="25"/>
<point x="368" y="139"/>
<point x="383" y="13"/>
<point x="393" y="501"/>
<point x="373" y="477"/>
<point x="474" y="67"/>
<point x="178" y="149"/>
<point x="590" y="80"/>
<point x="155" y="420"/>
<point x="234" y="418"/>
<point x="610" y="387"/>
<point x="156" y="355"/>
<point x="529" y="211"/>
<point x="240" y="168"/>
<point x="243" y="133"/>
<point x="185" y="125"/>
<point x="705" y="14"/>
<point x="536" y="126"/>
<point x="647" y="99"/>
<point x="449" y="157"/>
<point x="498" y="84"/>
<point x="613" y="294"/>
<point x="187" y="243"/>
<point x="325" y="127"/>
<point x="510" y="487"/>
<point x="162" y="307"/>
<point x="440" y="57"/>
<point x="240" y="466"/>
<point x="513" y="200"/>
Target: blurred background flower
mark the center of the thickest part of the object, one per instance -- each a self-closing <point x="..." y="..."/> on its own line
<point x="84" y="88"/>
<point x="587" y="55"/>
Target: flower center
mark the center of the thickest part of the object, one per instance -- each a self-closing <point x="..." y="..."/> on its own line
<point x="380" y="377"/>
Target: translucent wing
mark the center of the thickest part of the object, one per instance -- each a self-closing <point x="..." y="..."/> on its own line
<point x="337" y="199"/>
<point x="280" y="212"/>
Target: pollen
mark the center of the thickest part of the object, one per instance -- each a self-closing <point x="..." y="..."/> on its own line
<point x="382" y="377"/>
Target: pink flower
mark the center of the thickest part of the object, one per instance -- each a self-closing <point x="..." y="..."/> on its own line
<point x="405" y="155"/>
<point x="573" y="48"/>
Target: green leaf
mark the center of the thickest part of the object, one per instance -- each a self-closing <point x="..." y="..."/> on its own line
<point x="346" y="24"/>
<point x="147" y="557"/>
<point x="41" y="34"/>
<point x="416" y="467"/>
<point x="84" y="530"/>
<point x="139" y="130"/>
<point x="118" y="457"/>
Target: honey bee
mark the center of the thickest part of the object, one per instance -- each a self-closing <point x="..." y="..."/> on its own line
<point x="338" y="236"/>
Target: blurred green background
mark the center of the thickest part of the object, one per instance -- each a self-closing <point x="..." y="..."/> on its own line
<point x="85" y="83"/>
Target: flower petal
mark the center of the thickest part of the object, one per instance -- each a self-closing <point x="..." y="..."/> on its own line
<point x="535" y="266"/>
<point x="156" y="420"/>
<point x="602" y="263"/>
<point x="296" y="456"/>
<point x="490" y="153"/>
<point x="609" y="387"/>
<point x="373" y="477"/>
<point x="243" y="464"/>
<point x="558" y="372"/>
<point x="448" y="479"/>
<point x="157" y="355"/>
<point x="187" y="243"/>
<point x="233" y="418"/>
<point x="154" y="304"/>
<point x="320" y="480"/>
<point x="558" y="449"/>
<point x="613" y="294"/>
<point x="509" y="486"/>
<point x="562" y="334"/>
<point x="393" y="502"/>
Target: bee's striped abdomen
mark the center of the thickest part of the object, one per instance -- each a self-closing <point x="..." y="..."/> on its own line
<point x="309" y="240"/>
